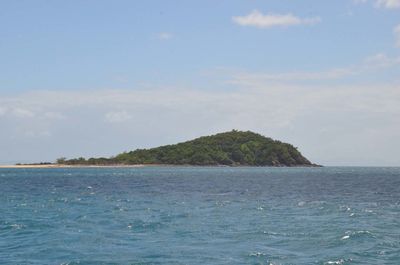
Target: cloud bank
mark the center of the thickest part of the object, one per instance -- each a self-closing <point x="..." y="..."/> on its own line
<point x="331" y="125"/>
<point x="369" y="65"/>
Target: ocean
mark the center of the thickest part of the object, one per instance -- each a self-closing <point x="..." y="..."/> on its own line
<point x="200" y="215"/>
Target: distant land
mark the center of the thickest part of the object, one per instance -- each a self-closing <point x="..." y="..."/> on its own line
<point x="234" y="148"/>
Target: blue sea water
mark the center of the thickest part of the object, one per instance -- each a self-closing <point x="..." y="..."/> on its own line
<point x="198" y="215"/>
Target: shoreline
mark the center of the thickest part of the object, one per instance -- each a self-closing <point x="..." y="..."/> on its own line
<point x="69" y="166"/>
<point x="139" y="166"/>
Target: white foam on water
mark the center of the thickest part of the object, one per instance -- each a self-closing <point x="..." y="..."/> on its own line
<point x="350" y="234"/>
<point x="256" y="254"/>
<point x="17" y="226"/>
<point x="301" y="204"/>
<point x="337" y="262"/>
<point x="341" y="261"/>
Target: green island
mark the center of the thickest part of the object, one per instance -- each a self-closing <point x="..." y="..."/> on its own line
<point x="233" y="148"/>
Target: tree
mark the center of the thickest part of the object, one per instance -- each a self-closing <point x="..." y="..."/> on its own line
<point x="61" y="160"/>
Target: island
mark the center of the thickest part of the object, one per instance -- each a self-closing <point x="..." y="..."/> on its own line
<point x="233" y="148"/>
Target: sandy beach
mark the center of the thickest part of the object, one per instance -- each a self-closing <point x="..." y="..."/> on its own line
<point x="69" y="166"/>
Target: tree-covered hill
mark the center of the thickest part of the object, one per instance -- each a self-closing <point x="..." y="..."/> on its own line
<point x="234" y="148"/>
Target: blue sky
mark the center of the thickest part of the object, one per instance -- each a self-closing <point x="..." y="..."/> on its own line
<point x="321" y="75"/>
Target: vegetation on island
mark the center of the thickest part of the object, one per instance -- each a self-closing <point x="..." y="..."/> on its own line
<point x="234" y="148"/>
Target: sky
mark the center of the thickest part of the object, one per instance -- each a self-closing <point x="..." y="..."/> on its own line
<point x="96" y="78"/>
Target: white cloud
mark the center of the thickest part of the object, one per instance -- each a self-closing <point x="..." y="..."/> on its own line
<point x="117" y="116"/>
<point x="2" y="111"/>
<point x="388" y="3"/>
<point x="380" y="60"/>
<point x="22" y="113"/>
<point x="246" y="78"/>
<point x="370" y="64"/>
<point x="397" y="35"/>
<point x="36" y="134"/>
<point x="54" y="115"/>
<point x="17" y="109"/>
<point x="164" y="36"/>
<point x="257" y="19"/>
